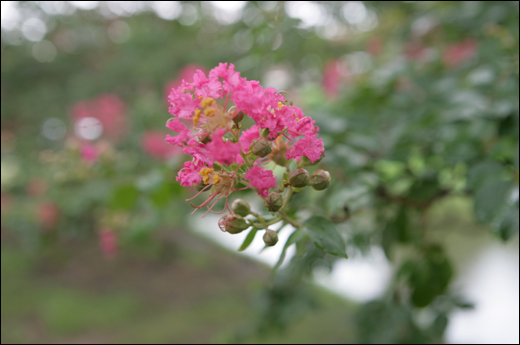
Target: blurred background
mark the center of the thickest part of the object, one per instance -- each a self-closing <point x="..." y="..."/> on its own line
<point x="417" y="104"/>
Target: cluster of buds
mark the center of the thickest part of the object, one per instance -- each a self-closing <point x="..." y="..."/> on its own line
<point x="209" y="117"/>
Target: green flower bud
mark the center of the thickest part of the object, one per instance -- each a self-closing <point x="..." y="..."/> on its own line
<point x="299" y="178"/>
<point x="241" y="207"/>
<point x="270" y="238"/>
<point x="232" y="224"/>
<point x="261" y="147"/>
<point x="264" y="133"/>
<point x="279" y="156"/>
<point x="307" y="162"/>
<point x="273" y="202"/>
<point x="238" y="117"/>
<point x="320" y="179"/>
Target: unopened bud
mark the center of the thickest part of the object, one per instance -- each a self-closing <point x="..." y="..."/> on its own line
<point x="270" y="238"/>
<point x="299" y="178"/>
<point x="307" y="162"/>
<point x="238" y="117"/>
<point x="320" y="179"/>
<point x="261" y="147"/>
<point x="241" y="207"/>
<point x="264" y="133"/>
<point x="279" y="156"/>
<point x="273" y="202"/>
<point x="232" y="224"/>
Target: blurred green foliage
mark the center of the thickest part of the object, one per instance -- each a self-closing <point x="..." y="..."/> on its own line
<point x="417" y="108"/>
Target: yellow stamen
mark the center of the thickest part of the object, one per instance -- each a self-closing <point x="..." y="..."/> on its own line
<point x="209" y="112"/>
<point x="216" y="179"/>
<point x="196" y="117"/>
<point x="206" y="102"/>
<point x="205" y="173"/>
<point x="297" y="120"/>
<point x="280" y="105"/>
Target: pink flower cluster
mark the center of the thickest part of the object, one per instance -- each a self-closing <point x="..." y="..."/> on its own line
<point x="203" y="121"/>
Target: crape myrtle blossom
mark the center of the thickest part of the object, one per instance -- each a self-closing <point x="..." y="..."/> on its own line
<point x="207" y="125"/>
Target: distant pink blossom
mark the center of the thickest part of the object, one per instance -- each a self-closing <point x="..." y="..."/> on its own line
<point x="48" y="214"/>
<point x="89" y="152"/>
<point x="108" y="243"/>
<point x="456" y="54"/>
<point x="261" y="179"/>
<point x="154" y="145"/>
<point x="109" y="109"/>
<point x="332" y="78"/>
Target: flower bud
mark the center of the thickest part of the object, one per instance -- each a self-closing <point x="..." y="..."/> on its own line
<point x="299" y="178"/>
<point x="270" y="238"/>
<point x="264" y="133"/>
<point x="238" y="117"/>
<point x="279" y="156"/>
<point x="307" y="162"/>
<point x="273" y="202"/>
<point x="261" y="147"/>
<point x="241" y="207"/>
<point x="232" y="224"/>
<point x="320" y="179"/>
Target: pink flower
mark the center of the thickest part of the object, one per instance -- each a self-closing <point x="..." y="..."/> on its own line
<point x="223" y="152"/>
<point x="89" y="152"/>
<point x="309" y="146"/>
<point x="183" y="104"/>
<point x="153" y="144"/>
<point x="208" y="106"/>
<point x="261" y="179"/>
<point x="184" y="133"/>
<point x="185" y="74"/>
<point x="247" y="137"/>
<point x="189" y="175"/>
<point x="456" y="54"/>
<point x="108" y="243"/>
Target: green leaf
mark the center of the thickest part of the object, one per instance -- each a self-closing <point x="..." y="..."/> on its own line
<point x="479" y="174"/>
<point x="325" y="236"/>
<point x="491" y="199"/>
<point x="125" y="197"/>
<point x="249" y="239"/>
<point x="509" y="224"/>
